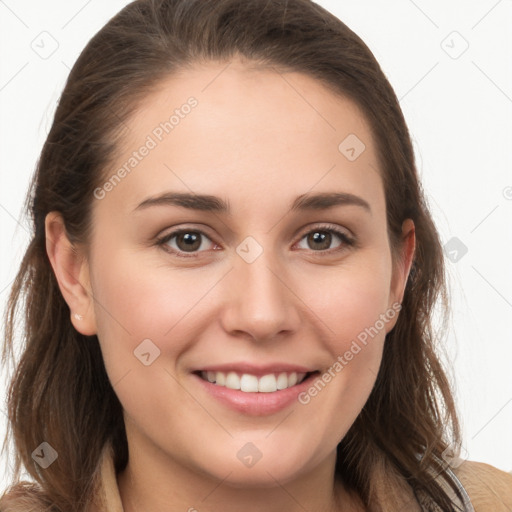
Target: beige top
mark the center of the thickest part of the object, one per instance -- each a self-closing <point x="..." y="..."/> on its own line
<point x="489" y="489"/>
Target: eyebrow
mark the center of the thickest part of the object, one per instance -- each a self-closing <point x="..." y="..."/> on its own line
<point x="209" y="203"/>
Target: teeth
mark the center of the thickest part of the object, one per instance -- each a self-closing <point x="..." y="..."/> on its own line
<point x="232" y="381"/>
<point x="251" y="384"/>
<point x="282" y="381"/>
<point x="268" y="383"/>
<point x="220" y="378"/>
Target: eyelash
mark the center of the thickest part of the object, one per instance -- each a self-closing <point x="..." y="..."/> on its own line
<point x="347" y="242"/>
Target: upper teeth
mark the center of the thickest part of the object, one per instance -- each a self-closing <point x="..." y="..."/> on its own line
<point x="252" y="384"/>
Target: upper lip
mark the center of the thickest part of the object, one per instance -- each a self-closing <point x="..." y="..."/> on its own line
<point x="257" y="370"/>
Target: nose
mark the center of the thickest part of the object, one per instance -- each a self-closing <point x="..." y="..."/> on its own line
<point x="261" y="303"/>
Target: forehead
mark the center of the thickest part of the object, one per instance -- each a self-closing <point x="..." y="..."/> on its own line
<point x="233" y="129"/>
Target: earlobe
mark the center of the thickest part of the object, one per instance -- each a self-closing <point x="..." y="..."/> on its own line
<point x="72" y="274"/>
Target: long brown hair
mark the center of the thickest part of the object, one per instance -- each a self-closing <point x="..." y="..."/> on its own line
<point x="60" y="392"/>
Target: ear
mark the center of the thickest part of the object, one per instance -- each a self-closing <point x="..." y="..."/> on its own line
<point x="402" y="268"/>
<point x="71" y="270"/>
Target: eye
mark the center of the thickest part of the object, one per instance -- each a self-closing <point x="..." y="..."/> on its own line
<point x="192" y="241"/>
<point x="321" y="238"/>
<point x="184" y="241"/>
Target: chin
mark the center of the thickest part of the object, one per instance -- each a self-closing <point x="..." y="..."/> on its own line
<point x="263" y="471"/>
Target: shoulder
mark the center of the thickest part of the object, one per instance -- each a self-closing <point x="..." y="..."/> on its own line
<point x="488" y="488"/>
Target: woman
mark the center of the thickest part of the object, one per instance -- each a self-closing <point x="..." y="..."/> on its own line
<point x="187" y="346"/>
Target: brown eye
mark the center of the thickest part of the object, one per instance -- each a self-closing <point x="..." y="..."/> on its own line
<point x="189" y="241"/>
<point x="185" y="241"/>
<point x="321" y="239"/>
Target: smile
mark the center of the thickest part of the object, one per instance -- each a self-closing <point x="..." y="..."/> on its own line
<point x="249" y="383"/>
<point x="261" y="393"/>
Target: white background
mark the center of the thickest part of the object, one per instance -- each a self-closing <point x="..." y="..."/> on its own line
<point x="459" y="111"/>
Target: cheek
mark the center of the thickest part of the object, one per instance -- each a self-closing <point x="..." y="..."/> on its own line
<point x="133" y="311"/>
<point x="136" y="300"/>
<point x="352" y="305"/>
<point x="140" y="319"/>
<point x="353" y="300"/>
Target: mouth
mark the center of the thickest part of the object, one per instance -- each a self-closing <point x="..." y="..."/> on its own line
<point x="249" y="383"/>
<point x="254" y="389"/>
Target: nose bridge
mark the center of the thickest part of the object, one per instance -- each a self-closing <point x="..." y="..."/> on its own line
<point x="261" y="303"/>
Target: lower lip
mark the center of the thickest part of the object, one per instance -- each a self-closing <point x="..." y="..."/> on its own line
<point x="256" y="404"/>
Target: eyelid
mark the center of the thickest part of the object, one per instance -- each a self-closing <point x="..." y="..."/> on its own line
<point x="347" y="239"/>
<point x="327" y="227"/>
<point x="163" y="240"/>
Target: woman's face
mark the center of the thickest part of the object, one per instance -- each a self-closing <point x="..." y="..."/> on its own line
<point x="261" y="280"/>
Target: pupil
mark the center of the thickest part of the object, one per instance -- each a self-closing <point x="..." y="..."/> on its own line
<point x="191" y="240"/>
<point x="319" y="237"/>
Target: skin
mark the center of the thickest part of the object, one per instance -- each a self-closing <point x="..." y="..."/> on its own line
<point x="257" y="139"/>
